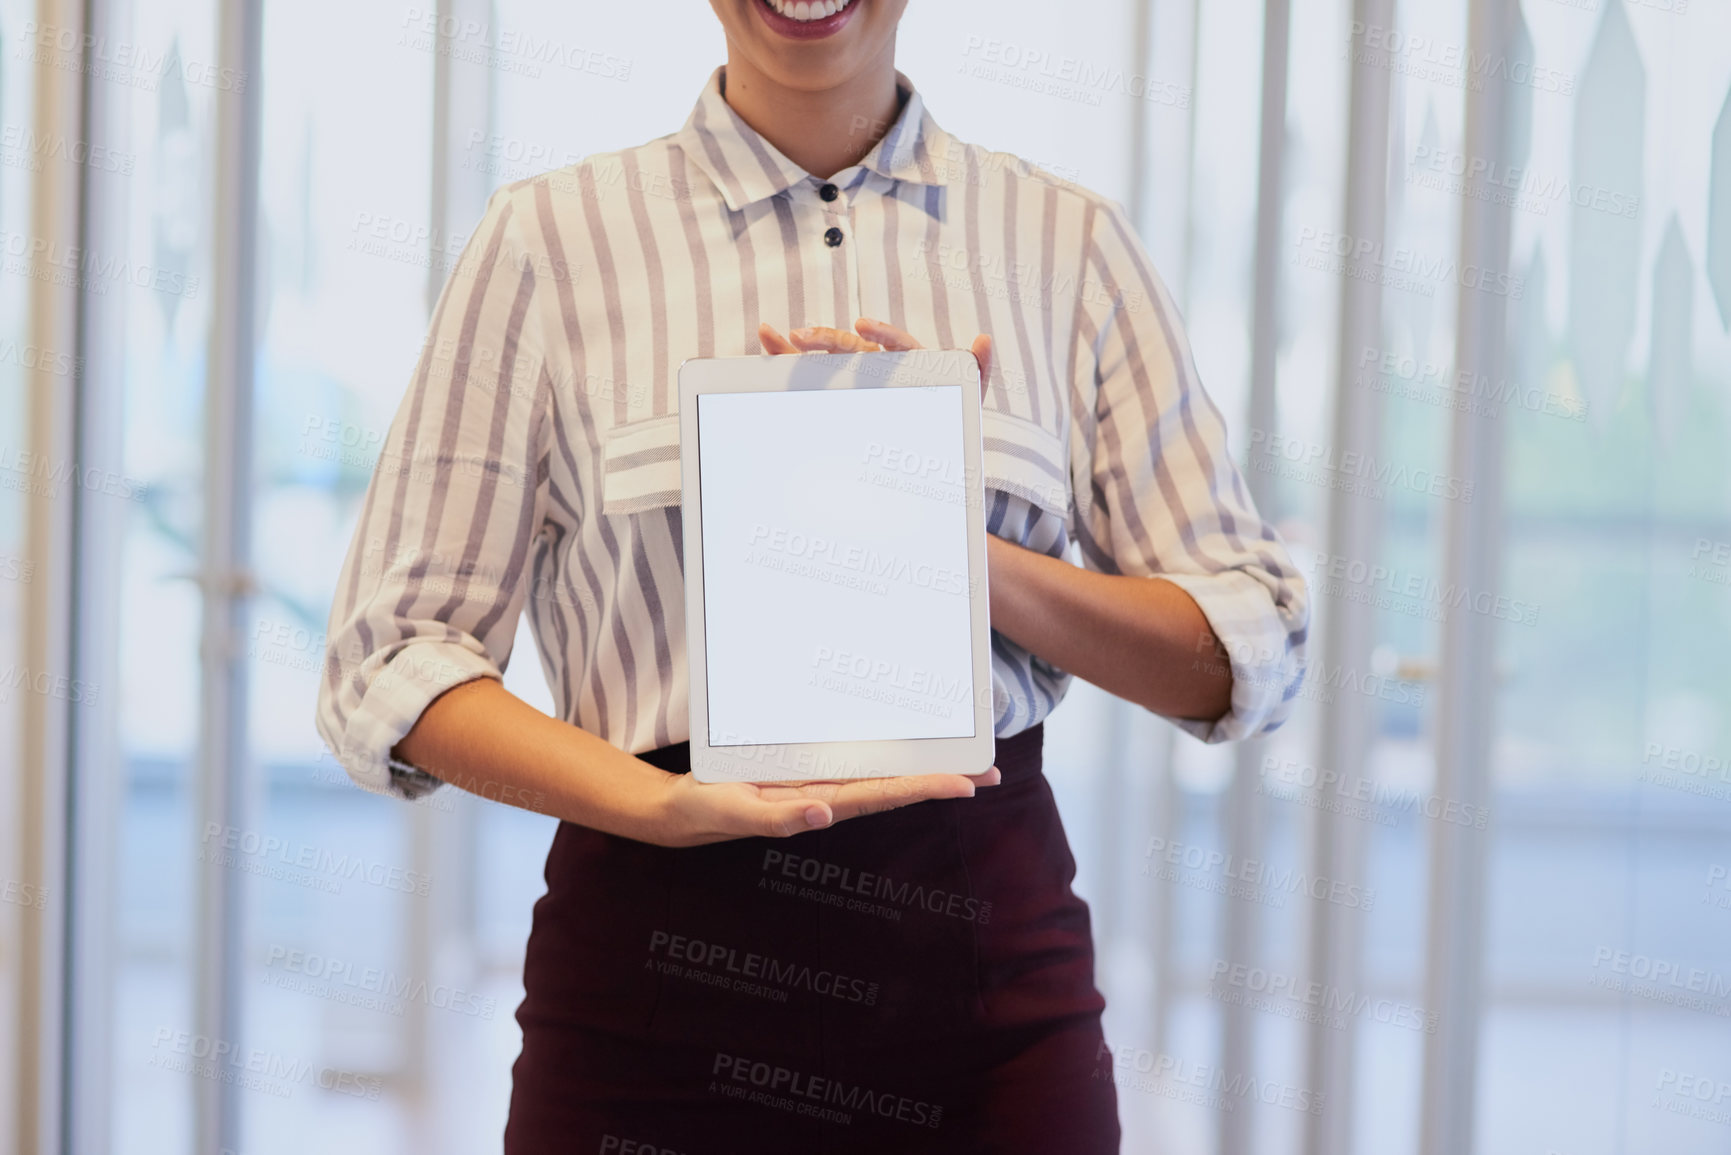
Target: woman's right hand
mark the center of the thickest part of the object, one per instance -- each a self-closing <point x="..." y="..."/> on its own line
<point x="481" y="737"/>
<point x="695" y="813"/>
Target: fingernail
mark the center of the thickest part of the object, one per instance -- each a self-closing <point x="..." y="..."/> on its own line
<point x="801" y="332"/>
<point x="816" y="817"/>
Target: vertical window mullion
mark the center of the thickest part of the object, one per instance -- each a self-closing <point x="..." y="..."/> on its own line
<point x="1241" y="921"/>
<point x="224" y="572"/>
<point x="1348" y="628"/>
<point x="1466" y="678"/>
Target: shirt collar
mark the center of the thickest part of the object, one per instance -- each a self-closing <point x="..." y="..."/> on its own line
<point x="747" y="168"/>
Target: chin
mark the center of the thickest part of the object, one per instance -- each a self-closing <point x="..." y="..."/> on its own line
<point x="803" y="44"/>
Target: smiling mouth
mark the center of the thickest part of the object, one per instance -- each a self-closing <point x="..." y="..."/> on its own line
<point x="806" y="19"/>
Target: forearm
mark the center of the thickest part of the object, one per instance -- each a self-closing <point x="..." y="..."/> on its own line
<point x="482" y="738"/>
<point x="1136" y="637"/>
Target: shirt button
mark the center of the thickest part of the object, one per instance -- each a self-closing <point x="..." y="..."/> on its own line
<point x="828" y="192"/>
<point x="832" y="238"/>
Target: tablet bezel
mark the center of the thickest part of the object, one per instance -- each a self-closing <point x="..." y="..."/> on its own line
<point x="826" y="761"/>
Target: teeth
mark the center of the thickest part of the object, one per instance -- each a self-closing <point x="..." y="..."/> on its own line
<point x="808" y="10"/>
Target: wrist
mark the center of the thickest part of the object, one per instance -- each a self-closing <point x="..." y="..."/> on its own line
<point x="658" y="817"/>
<point x="1002" y="566"/>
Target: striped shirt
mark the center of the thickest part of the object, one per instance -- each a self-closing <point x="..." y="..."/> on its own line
<point x="534" y="462"/>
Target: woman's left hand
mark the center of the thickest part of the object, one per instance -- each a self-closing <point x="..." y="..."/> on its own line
<point x="869" y="336"/>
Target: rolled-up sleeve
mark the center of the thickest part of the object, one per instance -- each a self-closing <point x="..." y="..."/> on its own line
<point x="1164" y="499"/>
<point x="430" y="593"/>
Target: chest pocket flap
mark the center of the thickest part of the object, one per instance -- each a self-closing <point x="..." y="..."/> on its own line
<point x="1025" y="461"/>
<point x="640" y="466"/>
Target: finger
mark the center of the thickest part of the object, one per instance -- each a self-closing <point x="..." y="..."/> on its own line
<point x="827" y="789"/>
<point x="774" y="342"/>
<point x="982" y="350"/>
<point x="891" y="338"/>
<point x="875" y="796"/>
<point x="823" y="339"/>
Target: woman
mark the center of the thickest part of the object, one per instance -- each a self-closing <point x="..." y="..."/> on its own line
<point x="728" y="967"/>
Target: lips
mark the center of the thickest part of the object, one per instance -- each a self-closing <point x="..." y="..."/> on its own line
<point x="804" y="20"/>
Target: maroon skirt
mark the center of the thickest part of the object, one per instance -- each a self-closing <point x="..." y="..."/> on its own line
<point x="919" y="980"/>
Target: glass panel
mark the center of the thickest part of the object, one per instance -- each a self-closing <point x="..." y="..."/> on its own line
<point x="1607" y="927"/>
<point x="1214" y="295"/>
<point x="332" y="983"/>
<point x="162" y="95"/>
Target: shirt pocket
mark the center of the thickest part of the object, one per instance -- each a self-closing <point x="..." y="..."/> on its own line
<point x="1024" y="460"/>
<point x="640" y="466"/>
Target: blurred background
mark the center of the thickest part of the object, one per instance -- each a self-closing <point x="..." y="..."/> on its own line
<point x="1459" y="274"/>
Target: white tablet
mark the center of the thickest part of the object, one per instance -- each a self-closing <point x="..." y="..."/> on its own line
<point x="835" y="566"/>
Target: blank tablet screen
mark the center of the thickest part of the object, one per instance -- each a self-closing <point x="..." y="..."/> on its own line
<point x="835" y="565"/>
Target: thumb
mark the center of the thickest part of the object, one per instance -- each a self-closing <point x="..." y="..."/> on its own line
<point x="982" y="350"/>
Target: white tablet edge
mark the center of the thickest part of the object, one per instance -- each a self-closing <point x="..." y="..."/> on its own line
<point x="794" y="762"/>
